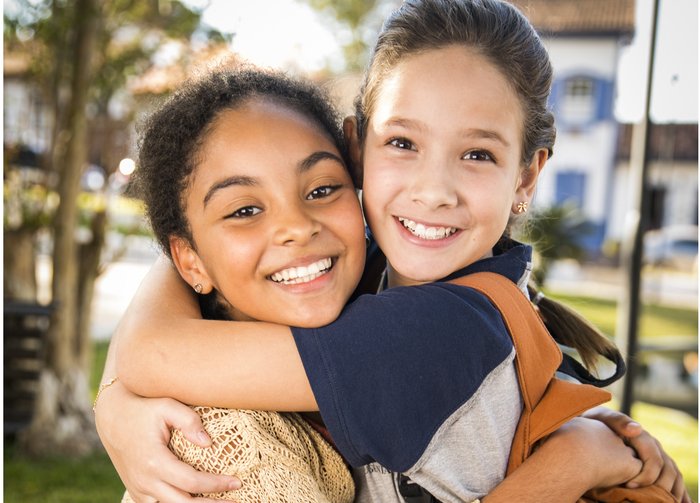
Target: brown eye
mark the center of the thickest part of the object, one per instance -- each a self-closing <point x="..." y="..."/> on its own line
<point x="401" y="143"/>
<point x="321" y="192"/>
<point x="245" y="212"/>
<point x="477" y="155"/>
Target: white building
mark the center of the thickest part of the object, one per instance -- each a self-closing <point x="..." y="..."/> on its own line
<point x="590" y="166"/>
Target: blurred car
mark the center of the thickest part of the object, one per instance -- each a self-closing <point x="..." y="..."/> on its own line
<point x="675" y="247"/>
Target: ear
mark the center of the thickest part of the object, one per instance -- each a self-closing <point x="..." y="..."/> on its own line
<point x="189" y="265"/>
<point x="525" y="190"/>
<point x="354" y="149"/>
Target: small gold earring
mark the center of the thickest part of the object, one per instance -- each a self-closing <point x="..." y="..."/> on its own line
<point x="522" y="207"/>
<point x="198" y="288"/>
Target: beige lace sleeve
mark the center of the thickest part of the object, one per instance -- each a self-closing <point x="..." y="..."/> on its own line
<point x="279" y="457"/>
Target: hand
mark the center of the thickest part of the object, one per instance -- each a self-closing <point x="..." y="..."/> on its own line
<point x="658" y="468"/>
<point x="581" y="455"/>
<point x="135" y="432"/>
<point x="600" y="455"/>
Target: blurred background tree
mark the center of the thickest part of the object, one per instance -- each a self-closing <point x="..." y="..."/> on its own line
<point x="556" y="233"/>
<point x="82" y="54"/>
<point x="362" y="19"/>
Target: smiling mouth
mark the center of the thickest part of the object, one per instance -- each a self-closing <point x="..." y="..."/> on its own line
<point x="302" y="274"/>
<point x="424" y="232"/>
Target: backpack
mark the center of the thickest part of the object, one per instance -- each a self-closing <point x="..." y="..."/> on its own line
<point x="548" y="402"/>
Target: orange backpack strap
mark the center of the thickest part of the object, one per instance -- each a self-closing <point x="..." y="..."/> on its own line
<point x="548" y="402"/>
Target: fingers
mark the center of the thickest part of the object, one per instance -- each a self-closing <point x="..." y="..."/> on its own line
<point x="654" y="460"/>
<point x="686" y="497"/>
<point x="163" y="492"/>
<point x="679" y="491"/>
<point x="189" y="481"/>
<point x="183" y="418"/>
<point x="174" y="472"/>
<point x="671" y="479"/>
<point x="620" y="423"/>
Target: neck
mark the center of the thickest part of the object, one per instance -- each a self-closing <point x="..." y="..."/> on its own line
<point x="394" y="278"/>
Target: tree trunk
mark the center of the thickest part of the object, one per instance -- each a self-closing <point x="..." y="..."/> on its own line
<point x="63" y="421"/>
<point x="19" y="262"/>
<point x="89" y="270"/>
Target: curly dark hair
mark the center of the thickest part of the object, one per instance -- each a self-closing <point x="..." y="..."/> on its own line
<point x="173" y="135"/>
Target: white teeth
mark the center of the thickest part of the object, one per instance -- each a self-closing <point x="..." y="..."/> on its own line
<point x="423" y="232"/>
<point x="302" y="274"/>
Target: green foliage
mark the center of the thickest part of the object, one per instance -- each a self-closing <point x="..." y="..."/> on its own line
<point x="555" y="233"/>
<point x="362" y="20"/>
<point x="27" y="205"/>
<point x="130" y="34"/>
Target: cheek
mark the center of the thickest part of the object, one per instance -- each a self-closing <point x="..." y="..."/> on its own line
<point x="233" y="258"/>
<point x="348" y="223"/>
<point x="381" y="184"/>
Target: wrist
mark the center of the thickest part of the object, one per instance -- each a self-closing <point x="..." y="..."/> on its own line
<point x="103" y="386"/>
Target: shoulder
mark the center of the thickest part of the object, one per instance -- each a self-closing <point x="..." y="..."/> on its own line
<point x="441" y="310"/>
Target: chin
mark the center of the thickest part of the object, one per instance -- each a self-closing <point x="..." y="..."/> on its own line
<point x="423" y="274"/>
<point x="314" y="318"/>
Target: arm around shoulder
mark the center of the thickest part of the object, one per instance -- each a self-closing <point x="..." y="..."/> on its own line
<point x="165" y="349"/>
<point x="583" y="454"/>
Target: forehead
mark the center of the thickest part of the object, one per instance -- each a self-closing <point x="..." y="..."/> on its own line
<point x="259" y="138"/>
<point x="253" y="114"/>
<point x="260" y="127"/>
<point x="453" y="79"/>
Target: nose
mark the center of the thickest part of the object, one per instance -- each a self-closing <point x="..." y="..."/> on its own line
<point x="432" y="185"/>
<point x="296" y="225"/>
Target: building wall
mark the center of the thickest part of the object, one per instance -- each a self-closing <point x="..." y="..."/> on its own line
<point x="679" y="181"/>
<point x="581" y="170"/>
<point x="26" y="120"/>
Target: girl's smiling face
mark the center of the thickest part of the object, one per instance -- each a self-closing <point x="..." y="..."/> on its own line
<point x="441" y="163"/>
<point x="274" y="218"/>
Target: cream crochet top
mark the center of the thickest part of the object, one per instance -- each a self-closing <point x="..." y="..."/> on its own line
<point x="279" y="457"/>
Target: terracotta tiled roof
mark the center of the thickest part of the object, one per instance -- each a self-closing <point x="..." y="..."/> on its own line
<point x="666" y="142"/>
<point x="579" y="17"/>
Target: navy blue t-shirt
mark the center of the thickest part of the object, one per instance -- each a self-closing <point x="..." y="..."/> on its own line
<point x="396" y="365"/>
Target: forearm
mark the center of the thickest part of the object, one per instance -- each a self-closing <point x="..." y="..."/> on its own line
<point x="164" y="348"/>
<point x="547" y="475"/>
<point x="582" y="454"/>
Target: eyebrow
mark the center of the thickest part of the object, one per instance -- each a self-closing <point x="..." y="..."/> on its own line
<point x="248" y="181"/>
<point x="405" y="123"/>
<point x="486" y="134"/>
<point x="310" y="161"/>
<point x="469" y="132"/>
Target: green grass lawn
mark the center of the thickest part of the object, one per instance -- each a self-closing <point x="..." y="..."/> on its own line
<point x="60" y="480"/>
<point x="94" y="480"/>
<point x="677" y="431"/>
<point x="656" y="321"/>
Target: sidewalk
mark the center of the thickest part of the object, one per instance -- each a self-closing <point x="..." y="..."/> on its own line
<point x="116" y="286"/>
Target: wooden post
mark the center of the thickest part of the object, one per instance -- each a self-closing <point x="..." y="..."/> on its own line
<point x="636" y="224"/>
